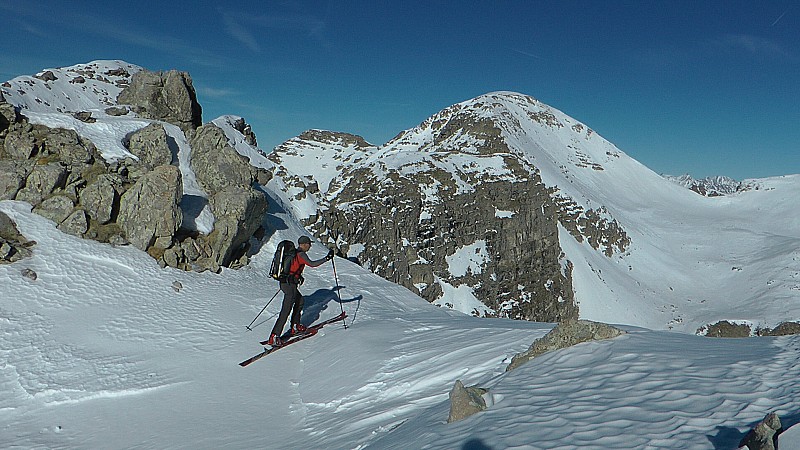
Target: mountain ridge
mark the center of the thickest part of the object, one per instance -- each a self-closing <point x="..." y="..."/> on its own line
<point x="604" y="220"/>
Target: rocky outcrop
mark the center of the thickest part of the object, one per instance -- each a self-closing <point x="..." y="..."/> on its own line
<point x="216" y="164"/>
<point x="13" y="245"/>
<point x="156" y="224"/>
<point x="458" y="204"/>
<point x="764" y="435"/>
<point x="167" y="96"/>
<point x="239" y="211"/>
<point x="728" y="329"/>
<point x="150" y="146"/>
<point x="565" y="335"/>
<point x="136" y="200"/>
<point x="465" y="401"/>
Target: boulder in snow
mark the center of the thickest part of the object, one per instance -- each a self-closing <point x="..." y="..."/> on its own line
<point x="565" y="335"/>
<point x="465" y="401"/>
<point x="762" y="436"/>
<point x="167" y="96"/>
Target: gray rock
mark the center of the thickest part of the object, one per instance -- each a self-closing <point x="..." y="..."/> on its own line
<point x="85" y="116"/>
<point x="76" y="224"/>
<point x="149" y="210"/>
<point x="725" y="329"/>
<point x="23" y="141"/>
<point x="29" y="274"/>
<point x="13" y="245"/>
<point x="239" y="212"/>
<point x="9" y="231"/>
<point x="216" y="164"/>
<point x="43" y="180"/>
<point x="762" y="436"/>
<point x="56" y="208"/>
<point x="565" y="334"/>
<point x="12" y="177"/>
<point x="243" y="127"/>
<point x="69" y="147"/>
<point x="149" y="144"/>
<point x="167" y="96"/>
<point x="8" y="115"/>
<point x="117" y="111"/>
<point x="100" y="199"/>
<point x="465" y="401"/>
<point x="783" y="329"/>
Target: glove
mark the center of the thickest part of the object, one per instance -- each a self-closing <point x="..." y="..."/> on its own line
<point x="330" y="255"/>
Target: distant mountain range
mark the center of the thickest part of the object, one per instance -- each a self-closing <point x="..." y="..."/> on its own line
<point x="500" y="206"/>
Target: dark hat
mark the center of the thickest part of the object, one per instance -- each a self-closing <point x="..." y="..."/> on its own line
<point x="304" y="240"/>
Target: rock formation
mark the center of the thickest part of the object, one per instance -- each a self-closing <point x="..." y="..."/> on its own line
<point x="137" y="200"/>
<point x="13" y="245"/>
<point x="167" y="96"/>
<point x="565" y="334"/>
<point x="465" y="401"/>
<point x="763" y="435"/>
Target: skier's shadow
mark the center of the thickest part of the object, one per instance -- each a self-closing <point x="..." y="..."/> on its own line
<point x="316" y="303"/>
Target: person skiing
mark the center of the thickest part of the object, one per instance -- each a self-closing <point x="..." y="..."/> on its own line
<point x="292" y="299"/>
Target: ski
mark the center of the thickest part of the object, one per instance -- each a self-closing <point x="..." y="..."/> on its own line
<point x="310" y="331"/>
<point x="315" y="327"/>
<point x="268" y="350"/>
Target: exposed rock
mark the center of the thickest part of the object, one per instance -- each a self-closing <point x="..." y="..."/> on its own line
<point x="46" y="76"/>
<point x="69" y="147"/>
<point x="29" y="274"/>
<point x="167" y="96"/>
<point x="783" y="329"/>
<point x="8" y="114"/>
<point x="465" y="401"/>
<point x="43" y="180"/>
<point x="101" y="198"/>
<point x="565" y="335"/>
<point x="726" y="329"/>
<point x="23" y="141"/>
<point x="150" y="145"/>
<point x="238" y="211"/>
<point x="763" y="435"/>
<point x="216" y="164"/>
<point x="76" y="224"/>
<point x="177" y="286"/>
<point x="56" y="208"/>
<point x="117" y="111"/>
<point x="85" y="116"/>
<point x="243" y="127"/>
<point x="13" y="245"/>
<point x="12" y="177"/>
<point x="149" y="211"/>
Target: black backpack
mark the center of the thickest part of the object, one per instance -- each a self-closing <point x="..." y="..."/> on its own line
<point x="282" y="261"/>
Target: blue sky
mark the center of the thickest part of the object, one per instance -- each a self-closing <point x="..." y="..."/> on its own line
<point x="699" y="87"/>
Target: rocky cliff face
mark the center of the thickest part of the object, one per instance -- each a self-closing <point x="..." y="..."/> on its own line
<point x="451" y="207"/>
<point x="137" y="195"/>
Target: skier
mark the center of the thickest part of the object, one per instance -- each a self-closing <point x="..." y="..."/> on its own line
<point x="292" y="299"/>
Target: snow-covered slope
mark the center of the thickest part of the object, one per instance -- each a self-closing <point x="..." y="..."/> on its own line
<point x="106" y="350"/>
<point x="686" y="260"/>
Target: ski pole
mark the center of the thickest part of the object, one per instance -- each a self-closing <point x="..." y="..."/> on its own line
<point x="336" y="277"/>
<point x="262" y="310"/>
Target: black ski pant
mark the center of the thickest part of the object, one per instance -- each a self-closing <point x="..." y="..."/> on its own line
<point x="292" y="303"/>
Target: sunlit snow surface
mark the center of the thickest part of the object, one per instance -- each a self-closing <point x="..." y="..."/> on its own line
<point x="101" y="352"/>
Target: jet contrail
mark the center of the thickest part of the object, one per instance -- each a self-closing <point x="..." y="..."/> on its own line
<point x="779" y="18"/>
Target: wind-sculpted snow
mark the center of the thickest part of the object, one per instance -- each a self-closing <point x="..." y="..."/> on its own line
<point x="105" y="350"/>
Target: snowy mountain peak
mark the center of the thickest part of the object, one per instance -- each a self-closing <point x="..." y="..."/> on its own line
<point x="89" y="87"/>
<point x="713" y="186"/>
